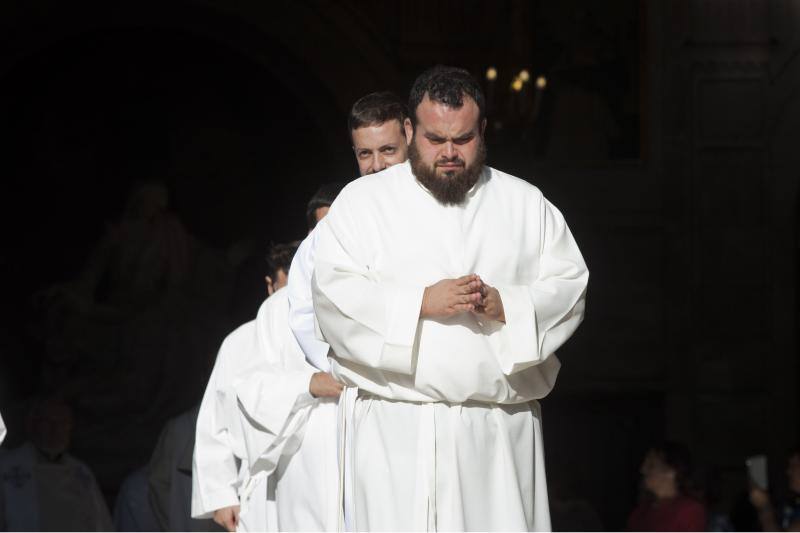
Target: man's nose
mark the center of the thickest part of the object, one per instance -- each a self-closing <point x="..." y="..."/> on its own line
<point x="378" y="163"/>
<point x="449" y="150"/>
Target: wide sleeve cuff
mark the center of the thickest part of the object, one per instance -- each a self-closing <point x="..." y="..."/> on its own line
<point x="403" y="306"/>
<point x="517" y="339"/>
<point x="269" y="398"/>
<point x="213" y="500"/>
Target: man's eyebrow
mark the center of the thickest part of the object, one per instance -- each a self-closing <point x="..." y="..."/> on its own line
<point x="387" y="145"/>
<point x="463" y="137"/>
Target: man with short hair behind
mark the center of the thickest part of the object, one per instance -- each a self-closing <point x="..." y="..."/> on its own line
<point x="380" y="131"/>
<point x="444" y="287"/>
<point x="378" y="127"/>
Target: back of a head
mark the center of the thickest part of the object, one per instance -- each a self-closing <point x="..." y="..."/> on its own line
<point x="324" y="197"/>
<point x="448" y="86"/>
<point x="279" y="257"/>
<point x="375" y="109"/>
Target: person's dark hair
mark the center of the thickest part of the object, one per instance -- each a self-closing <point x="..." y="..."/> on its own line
<point x="374" y="109"/>
<point x="324" y="197"/>
<point x="677" y="456"/>
<point x="445" y="85"/>
<point x="280" y="257"/>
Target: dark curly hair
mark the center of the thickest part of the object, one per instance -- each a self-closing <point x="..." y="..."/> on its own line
<point x="324" y="197"/>
<point x="446" y="85"/>
<point x="280" y="257"/>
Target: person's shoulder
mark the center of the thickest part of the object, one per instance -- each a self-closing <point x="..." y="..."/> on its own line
<point x="182" y="424"/>
<point x="274" y="310"/>
<point x="690" y="509"/>
<point x="691" y="504"/>
<point x="378" y="182"/>
<point x="278" y="300"/>
<point x="14" y="456"/>
<point x="241" y="331"/>
<point x="513" y="185"/>
<point x="237" y="336"/>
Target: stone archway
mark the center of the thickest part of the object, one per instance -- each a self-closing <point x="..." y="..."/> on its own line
<point x="321" y="45"/>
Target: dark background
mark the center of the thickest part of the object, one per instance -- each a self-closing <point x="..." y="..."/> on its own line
<point x="666" y="133"/>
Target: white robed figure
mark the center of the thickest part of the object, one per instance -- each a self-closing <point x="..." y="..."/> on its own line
<point x="290" y="434"/>
<point x="444" y="288"/>
<point x="252" y="419"/>
<point x="250" y="431"/>
<point x="220" y="469"/>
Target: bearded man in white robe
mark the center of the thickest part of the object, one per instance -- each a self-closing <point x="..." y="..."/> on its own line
<point x="444" y="288"/>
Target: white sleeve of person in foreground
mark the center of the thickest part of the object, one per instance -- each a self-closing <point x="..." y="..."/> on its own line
<point x="301" y="306"/>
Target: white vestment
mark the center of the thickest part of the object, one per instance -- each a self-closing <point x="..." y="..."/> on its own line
<point x="2" y="430"/>
<point x="301" y="304"/>
<point x="220" y="468"/>
<point x="446" y="431"/>
<point x="296" y="433"/>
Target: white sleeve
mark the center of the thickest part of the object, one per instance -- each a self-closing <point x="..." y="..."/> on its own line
<point x="273" y="392"/>
<point x="301" y="306"/>
<point x="541" y="316"/>
<point x="366" y="320"/>
<point x="214" y="468"/>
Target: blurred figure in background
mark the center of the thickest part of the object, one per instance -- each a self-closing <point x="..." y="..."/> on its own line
<point x="44" y="488"/>
<point x="170" y="477"/>
<point x="667" y="504"/>
<point x="788" y="519"/>
<point x="132" y="510"/>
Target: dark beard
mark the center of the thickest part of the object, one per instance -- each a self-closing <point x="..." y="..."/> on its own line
<point x="452" y="188"/>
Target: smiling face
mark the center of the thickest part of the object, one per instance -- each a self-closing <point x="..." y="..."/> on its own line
<point x="447" y="152"/>
<point x="379" y="146"/>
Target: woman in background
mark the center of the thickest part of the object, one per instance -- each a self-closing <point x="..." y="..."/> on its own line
<point x="667" y="505"/>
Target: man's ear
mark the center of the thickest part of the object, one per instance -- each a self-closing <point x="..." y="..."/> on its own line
<point x="483" y="127"/>
<point x="409" y="130"/>
<point x="270" y="285"/>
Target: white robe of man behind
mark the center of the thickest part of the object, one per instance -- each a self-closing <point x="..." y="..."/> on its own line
<point x="220" y="467"/>
<point x="290" y="435"/>
<point x="447" y="430"/>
